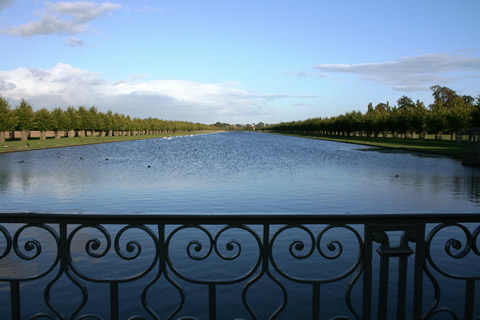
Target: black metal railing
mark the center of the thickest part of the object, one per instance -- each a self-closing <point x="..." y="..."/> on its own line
<point x="391" y="266"/>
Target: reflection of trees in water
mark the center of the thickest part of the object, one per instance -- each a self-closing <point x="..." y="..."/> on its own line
<point x="5" y="176"/>
<point x="466" y="187"/>
<point x="14" y="171"/>
<point x="474" y="187"/>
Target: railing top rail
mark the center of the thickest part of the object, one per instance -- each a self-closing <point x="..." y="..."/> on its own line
<point x="393" y="218"/>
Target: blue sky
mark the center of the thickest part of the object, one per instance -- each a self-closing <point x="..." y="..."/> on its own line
<point x="235" y="61"/>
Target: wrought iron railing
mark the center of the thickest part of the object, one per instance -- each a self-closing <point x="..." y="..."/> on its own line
<point x="392" y="266"/>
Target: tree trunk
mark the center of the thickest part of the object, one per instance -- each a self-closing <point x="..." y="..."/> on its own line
<point x="458" y="138"/>
<point x="71" y="133"/>
<point x="81" y="133"/>
<point x="43" y="135"/>
<point x="2" y="136"/>
<point x="24" y="135"/>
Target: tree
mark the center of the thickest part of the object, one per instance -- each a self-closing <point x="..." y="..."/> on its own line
<point x="418" y="121"/>
<point x="73" y="121"/>
<point x="459" y="115"/>
<point x="84" y="122"/>
<point x="43" y="122"/>
<point x="405" y="103"/>
<point x="24" y="114"/>
<point x="60" y="121"/>
<point x="94" y="120"/>
<point x="8" y="120"/>
<point x="437" y="120"/>
<point x="443" y="95"/>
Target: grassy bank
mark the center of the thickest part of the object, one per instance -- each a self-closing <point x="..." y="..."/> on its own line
<point x="441" y="147"/>
<point x="35" y="144"/>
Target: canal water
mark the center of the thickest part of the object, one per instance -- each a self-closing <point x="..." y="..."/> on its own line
<point x="233" y="172"/>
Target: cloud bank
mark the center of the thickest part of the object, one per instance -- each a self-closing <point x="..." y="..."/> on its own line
<point x="64" y="85"/>
<point x="412" y="73"/>
<point x="62" y="18"/>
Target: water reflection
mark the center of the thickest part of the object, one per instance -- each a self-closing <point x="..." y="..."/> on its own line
<point x="236" y="172"/>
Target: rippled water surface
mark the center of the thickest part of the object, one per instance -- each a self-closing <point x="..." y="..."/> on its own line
<point x="234" y="172"/>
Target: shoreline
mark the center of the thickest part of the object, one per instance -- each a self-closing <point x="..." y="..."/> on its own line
<point x="437" y="147"/>
<point x="51" y="143"/>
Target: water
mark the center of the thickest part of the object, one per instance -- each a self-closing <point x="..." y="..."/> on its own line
<point x="237" y="172"/>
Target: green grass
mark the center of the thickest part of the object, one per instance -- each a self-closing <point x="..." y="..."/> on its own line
<point x="441" y="147"/>
<point x="35" y="143"/>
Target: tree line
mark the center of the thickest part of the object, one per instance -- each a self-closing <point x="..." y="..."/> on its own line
<point x="449" y="113"/>
<point x="79" y="121"/>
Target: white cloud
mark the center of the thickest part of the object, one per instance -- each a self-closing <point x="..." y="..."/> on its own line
<point x="82" y="11"/>
<point x="64" y="85"/>
<point x="73" y="42"/>
<point x="301" y="74"/>
<point x="62" y="18"/>
<point x="412" y="73"/>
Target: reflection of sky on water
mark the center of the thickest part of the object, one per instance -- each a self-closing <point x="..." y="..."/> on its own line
<point x="218" y="173"/>
<point x="233" y="172"/>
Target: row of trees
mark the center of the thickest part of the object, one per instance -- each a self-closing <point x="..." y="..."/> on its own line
<point x="79" y="120"/>
<point x="449" y="113"/>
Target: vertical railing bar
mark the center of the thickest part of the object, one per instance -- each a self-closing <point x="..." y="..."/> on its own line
<point x="316" y="301"/>
<point x="469" y="299"/>
<point x="15" y="299"/>
<point x="420" y="258"/>
<point x="402" y="287"/>
<point x="212" y="301"/>
<point x="383" y="287"/>
<point x="113" y="300"/>
<point x="266" y="245"/>
<point x="367" y="274"/>
<point x="162" y="256"/>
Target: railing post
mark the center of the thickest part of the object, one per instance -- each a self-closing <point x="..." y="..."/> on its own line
<point x="383" y="287"/>
<point x="113" y="300"/>
<point x="367" y="274"/>
<point x="420" y="257"/>
<point x="316" y="301"/>
<point x="212" y="301"/>
<point x="15" y="299"/>
<point x="469" y="298"/>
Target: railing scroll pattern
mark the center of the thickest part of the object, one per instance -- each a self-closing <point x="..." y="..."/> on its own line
<point x="60" y="266"/>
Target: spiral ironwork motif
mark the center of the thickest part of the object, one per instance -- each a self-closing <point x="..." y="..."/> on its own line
<point x="198" y="251"/>
<point x="132" y="246"/>
<point x="454" y="248"/>
<point x="8" y="242"/>
<point x="334" y="246"/>
<point x="133" y="249"/>
<point x="30" y="245"/>
<point x="310" y="251"/>
<point x="93" y="245"/>
<point x="299" y="245"/>
<point x="233" y="246"/>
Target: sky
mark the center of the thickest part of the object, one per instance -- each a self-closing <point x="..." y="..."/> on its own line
<point x="244" y="61"/>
